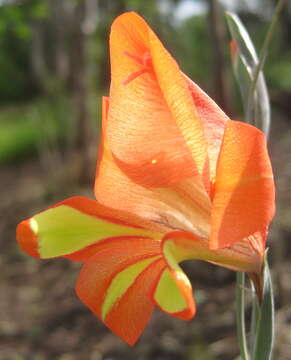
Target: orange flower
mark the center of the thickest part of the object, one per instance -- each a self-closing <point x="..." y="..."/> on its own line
<point x="176" y="180"/>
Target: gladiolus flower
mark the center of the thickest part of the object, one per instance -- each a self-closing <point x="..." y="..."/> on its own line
<point x="176" y="180"/>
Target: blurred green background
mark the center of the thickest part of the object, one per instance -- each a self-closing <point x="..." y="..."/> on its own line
<point x="54" y="69"/>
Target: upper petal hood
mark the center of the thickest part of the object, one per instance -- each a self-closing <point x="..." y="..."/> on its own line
<point x="153" y="130"/>
<point x="161" y="133"/>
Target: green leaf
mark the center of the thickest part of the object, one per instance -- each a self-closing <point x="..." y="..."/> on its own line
<point x="265" y="325"/>
<point x="245" y="61"/>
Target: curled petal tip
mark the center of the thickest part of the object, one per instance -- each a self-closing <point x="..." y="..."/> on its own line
<point x="186" y="314"/>
<point x="27" y="239"/>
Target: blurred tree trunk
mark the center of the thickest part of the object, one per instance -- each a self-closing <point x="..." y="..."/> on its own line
<point x="218" y="45"/>
<point x="38" y="57"/>
<point x="84" y="25"/>
<point x="60" y="21"/>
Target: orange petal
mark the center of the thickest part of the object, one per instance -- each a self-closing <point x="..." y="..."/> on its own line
<point x="185" y="205"/>
<point x="153" y="130"/>
<point x="175" y="90"/>
<point x="173" y="294"/>
<point x="27" y="239"/>
<point x="132" y="313"/>
<point x="245" y="255"/>
<point x="75" y="225"/>
<point x="243" y="202"/>
<point x="213" y="120"/>
<point x="125" y="308"/>
<point x="115" y="190"/>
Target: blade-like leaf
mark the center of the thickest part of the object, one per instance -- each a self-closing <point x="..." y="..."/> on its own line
<point x="245" y="61"/>
<point x="265" y="325"/>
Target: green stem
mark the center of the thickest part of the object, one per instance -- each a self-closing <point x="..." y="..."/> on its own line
<point x="254" y="320"/>
<point x="240" y="315"/>
<point x="262" y="58"/>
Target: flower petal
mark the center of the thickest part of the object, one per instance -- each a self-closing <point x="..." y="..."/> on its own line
<point x="153" y="130"/>
<point x="73" y="225"/>
<point x="114" y="189"/>
<point x="173" y="290"/>
<point x="243" y="202"/>
<point x="129" y="317"/>
<point x="213" y="120"/>
<point x="245" y="255"/>
<point x="114" y="284"/>
<point x="175" y="90"/>
<point x="173" y="294"/>
<point x="185" y="205"/>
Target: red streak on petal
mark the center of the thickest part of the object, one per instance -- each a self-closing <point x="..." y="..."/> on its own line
<point x="138" y="59"/>
<point x="145" y="61"/>
<point x="134" y="75"/>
